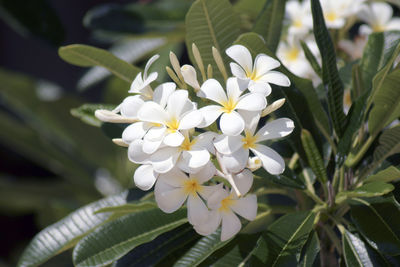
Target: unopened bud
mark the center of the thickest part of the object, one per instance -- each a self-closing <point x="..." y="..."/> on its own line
<point x="190" y="76"/>
<point x="274" y="106"/>
<point x="254" y="163"/>
<point x="209" y="71"/>
<point x="120" y="142"/>
<point x="111" y="116"/>
<point x="220" y="62"/>
<point x="177" y="67"/>
<point x="199" y="61"/>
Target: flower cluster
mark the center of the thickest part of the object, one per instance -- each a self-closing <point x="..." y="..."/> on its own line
<point x="182" y="149"/>
<point x="339" y="15"/>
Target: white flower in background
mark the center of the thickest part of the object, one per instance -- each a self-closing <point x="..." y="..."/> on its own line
<point x="354" y="48"/>
<point x="259" y="75"/>
<point x="174" y="188"/>
<point x="180" y="114"/>
<point x="299" y="16"/>
<point x="231" y="122"/>
<point x="379" y="18"/>
<point x="141" y="84"/>
<point x="235" y="149"/>
<point x="337" y="11"/>
<point x="224" y="207"/>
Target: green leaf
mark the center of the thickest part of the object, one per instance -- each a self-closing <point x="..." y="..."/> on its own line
<point x="201" y="250"/>
<point x="310" y="251"/>
<point x="119" y="211"/>
<point x="311" y="58"/>
<point x="287" y="178"/>
<point x="313" y="156"/>
<point x="389" y="144"/>
<point x="379" y="222"/>
<point x="373" y="189"/>
<point x="281" y="244"/>
<point x="269" y="23"/>
<point x="114" y="239"/>
<point x="86" y="113"/>
<point x="36" y="17"/>
<point x="330" y="74"/>
<point x="65" y="233"/>
<point x="386" y="103"/>
<point x="88" y="56"/>
<point x="387" y="175"/>
<point x="211" y="23"/>
<point x="357" y="253"/>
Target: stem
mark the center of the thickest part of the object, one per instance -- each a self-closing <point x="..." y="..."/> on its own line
<point x="293" y="161"/>
<point x="333" y="237"/>
<point x="314" y="197"/>
<point x="353" y="160"/>
<point x="341" y="179"/>
<point x="327" y="137"/>
<point x="266" y="191"/>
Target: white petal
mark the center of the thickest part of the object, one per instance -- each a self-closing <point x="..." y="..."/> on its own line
<point x="205" y="173"/>
<point x="196" y="158"/>
<point x="207" y="191"/>
<point x="211" y="225"/>
<point x="174" y="177"/>
<point x="150" y="146"/>
<point x="242" y="56"/>
<point x="137" y="84"/>
<point x="162" y="92"/>
<point x="196" y="209"/>
<point x="136" y="153"/>
<point x="152" y="112"/>
<point x="205" y="140"/>
<point x="231" y="123"/>
<point x="246" y="207"/>
<point x="252" y="102"/>
<point x="237" y="161"/>
<point x="131" y="105"/>
<point x="176" y="103"/>
<point x="233" y="89"/>
<point x="393" y="25"/>
<point x="243" y="181"/>
<point x="210" y="114"/>
<point x="213" y="90"/>
<point x="237" y="71"/>
<point x="134" y="131"/>
<point x="148" y="64"/>
<point x="383" y="12"/>
<point x="156" y="133"/>
<point x="164" y="159"/>
<point x="227" y="144"/>
<point x="169" y="199"/>
<point x="251" y="119"/>
<point x="271" y="160"/>
<point x="230" y="225"/>
<point x="151" y="78"/>
<point x="264" y="64"/>
<point x="275" y="129"/>
<point x="145" y="177"/>
<point x="214" y="200"/>
<point x="190" y="76"/>
<point x="260" y="87"/>
<point x="190" y="120"/>
<point x="277" y="78"/>
<point x="174" y="139"/>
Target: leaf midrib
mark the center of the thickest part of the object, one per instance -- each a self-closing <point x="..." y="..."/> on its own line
<point x="209" y="24"/>
<point x="353" y="250"/>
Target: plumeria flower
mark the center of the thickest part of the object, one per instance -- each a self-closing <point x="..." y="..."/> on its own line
<point x="141" y="84"/>
<point x="231" y="122"/>
<point x="337" y="11"/>
<point x="179" y="114"/>
<point x="379" y="18"/>
<point x="145" y="177"/>
<point x="224" y="207"/>
<point x="175" y="187"/>
<point x="354" y="48"/>
<point x="190" y="76"/>
<point x="300" y="18"/>
<point x="236" y="148"/>
<point x="259" y="75"/>
<point x="190" y="156"/>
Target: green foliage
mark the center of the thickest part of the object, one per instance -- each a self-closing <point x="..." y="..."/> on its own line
<point x="86" y="113"/>
<point x="373" y="189"/>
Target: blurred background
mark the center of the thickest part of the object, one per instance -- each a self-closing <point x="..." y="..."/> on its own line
<point x="53" y="156"/>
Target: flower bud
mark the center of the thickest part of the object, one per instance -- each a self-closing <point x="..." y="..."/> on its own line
<point x="254" y="163"/>
<point x="190" y="76"/>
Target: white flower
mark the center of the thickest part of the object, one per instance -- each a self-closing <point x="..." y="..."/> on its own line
<point x="141" y="84"/>
<point x="180" y="114"/>
<point x="231" y="122"/>
<point x="236" y="148"/>
<point x="223" y="208"/>
<point x="260" y="75"/>
<point x="299" y="15"/>
<point x="190" y="156"/>
<point x="145" y="177"/>
<point x="379" y="18"/>
<point x="336" y="11"/>
<point x="190" y="76"/>
<point x="173" y="188"/>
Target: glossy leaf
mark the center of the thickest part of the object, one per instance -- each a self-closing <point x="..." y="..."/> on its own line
<point x="88" y="56"/>
<point x="389" y="144"/>
<point x="310" y="251"/>
<point x="114" y="239"/>
<point x="373" y="189"/>
<point x="201" y="250"/>
<point x="330" y="75"/>
<point x="128" y="208"/>
<point x="65" y="233"/>
<point x="281" y="244"/>
<point x="311" y="58"/>
<point x="211" y="23"/>
<point x="378" y="220"/>
<point x="287" y="178"/>
<point x="314" y="157"/>
<point x="387" y="175"/>
<point x="386" y="103"/>
<point x="86" y="113"/>
<point x="269" y="23"/>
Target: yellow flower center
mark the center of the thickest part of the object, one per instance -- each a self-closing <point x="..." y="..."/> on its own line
<point x="173" y="125"/>
<point x="155" y="124"/>
<point x="293" y="54"/>
<point x="297" y="23"/>
<point x="226" y="203"/>
<point x="249" y="141"/>
<point x="186" y="144"/>
<point x="191" y="186"/>
<point x="378" y="28"/>
<point x="229" y="106"/>
<point x="331" y="16"/>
